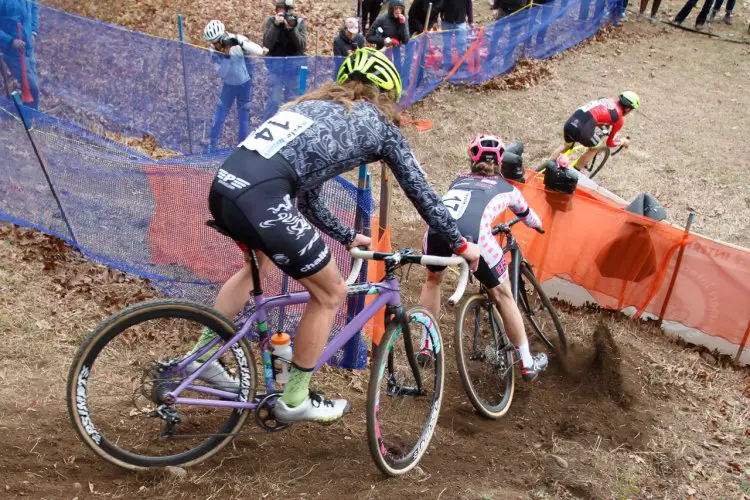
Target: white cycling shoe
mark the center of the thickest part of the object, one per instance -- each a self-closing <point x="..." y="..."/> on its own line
<point x="216" y="375"/>
<point x="314" y="409"/>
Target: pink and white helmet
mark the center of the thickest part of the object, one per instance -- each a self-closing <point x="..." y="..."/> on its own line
<point x="486" y="147"/>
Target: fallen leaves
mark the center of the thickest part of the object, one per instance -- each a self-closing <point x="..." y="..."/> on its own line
<point x="526" y="73"/>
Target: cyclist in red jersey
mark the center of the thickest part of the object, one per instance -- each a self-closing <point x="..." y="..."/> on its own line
<point x="582" y="125"/>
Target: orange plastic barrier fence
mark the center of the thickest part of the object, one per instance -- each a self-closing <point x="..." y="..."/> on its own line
<point x="381" y="238"/>
<point x="624" y="259"/>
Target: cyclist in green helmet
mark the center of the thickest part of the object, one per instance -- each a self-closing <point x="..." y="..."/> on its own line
<point x="324" y="133"/>
<point x="582" y="125"/>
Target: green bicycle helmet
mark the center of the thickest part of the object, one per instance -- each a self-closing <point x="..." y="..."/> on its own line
<point x="630" y="99"/>
<point x="368" y="64"/>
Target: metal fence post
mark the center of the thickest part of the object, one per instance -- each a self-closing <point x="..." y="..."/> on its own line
<point x="19" y="108"/>
<point x="184" y="82"/>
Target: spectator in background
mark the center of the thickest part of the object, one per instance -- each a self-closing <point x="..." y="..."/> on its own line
<point x="654" y="9"/>
<point x="685" y="11"/>
<point x="370" y="12"/>
<point x="504" y="8"/>
<point x="391" y="28"/>
<point x="284" y="33"/>
<point x="717" y="8"/>
<point x="455" y="14"/>
<point x="349" y="39"/>
<point x="228" y="53"/>
<point x="13" y="13"/>
<point x="418" y="14"/>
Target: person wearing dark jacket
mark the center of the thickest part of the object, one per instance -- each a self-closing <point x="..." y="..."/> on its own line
<point x="349" y="39"/>
<point x="455" y="14"/>
<point x="370" y="12"/>
<point x="284" y="33"/>
<point x="418" y="14"/>
<point x="391" y="28"/>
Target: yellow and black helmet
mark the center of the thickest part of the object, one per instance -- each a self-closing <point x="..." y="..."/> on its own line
<point x="368" y="64"/>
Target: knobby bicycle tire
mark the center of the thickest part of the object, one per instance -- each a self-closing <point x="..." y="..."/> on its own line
<point x="595" y="168"/>
<point x="560" y="347"/>
<point x="83" y="363"/>
<point x="393" y="458"/>
<point x="499" y="361"/>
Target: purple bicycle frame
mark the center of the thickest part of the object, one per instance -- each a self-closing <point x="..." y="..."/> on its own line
<point x="388" y="294"/>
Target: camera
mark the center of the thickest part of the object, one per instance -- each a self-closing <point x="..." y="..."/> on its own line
<point x="229" y="41"/>
<point x="290" y="17"/>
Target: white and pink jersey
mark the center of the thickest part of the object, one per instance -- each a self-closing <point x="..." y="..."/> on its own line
<point x="476" y="201"/>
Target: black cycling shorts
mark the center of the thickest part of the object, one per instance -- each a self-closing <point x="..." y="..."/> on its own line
<point x="490" y="277"/>
<point x="252" y="198"/>
<point x="581" y="127"/>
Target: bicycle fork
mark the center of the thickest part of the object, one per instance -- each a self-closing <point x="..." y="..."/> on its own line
<point x="393" y="386"/>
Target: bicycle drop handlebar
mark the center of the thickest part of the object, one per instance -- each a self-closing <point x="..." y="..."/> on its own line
<point x="433" y="260"/>
<point x="505" y="227"/>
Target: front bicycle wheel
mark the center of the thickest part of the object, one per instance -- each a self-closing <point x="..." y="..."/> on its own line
<point x="120" y="377"/>
<point x="600" y="159"/>
<point x="540" y="316"/>
<point x="484" y="357"/>
<point x="405" y="393"/>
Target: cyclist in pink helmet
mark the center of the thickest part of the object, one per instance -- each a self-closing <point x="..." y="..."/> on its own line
<point x="475" y="200"/>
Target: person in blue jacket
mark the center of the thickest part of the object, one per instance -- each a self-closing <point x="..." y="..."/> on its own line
<point x="13" y="12"/>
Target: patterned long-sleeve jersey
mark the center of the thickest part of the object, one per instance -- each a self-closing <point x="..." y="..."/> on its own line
<point x="321" y="140"/>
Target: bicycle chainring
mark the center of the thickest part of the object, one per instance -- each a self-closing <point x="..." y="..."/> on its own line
<point x="264" y="416"/>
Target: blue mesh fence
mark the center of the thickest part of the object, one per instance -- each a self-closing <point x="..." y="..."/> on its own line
<point x="147" y="217"/>
<point x="95" y="74"/>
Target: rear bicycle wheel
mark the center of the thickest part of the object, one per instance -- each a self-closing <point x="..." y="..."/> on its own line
<point x="600" y="159"/>
<point x="122" y="372"/>
<point x="540" y="316"/>
<point x="484" y="357"/>
<point x="405" y="394"/>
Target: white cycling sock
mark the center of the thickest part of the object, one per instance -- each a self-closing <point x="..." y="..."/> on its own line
<point x="525" y="355"/>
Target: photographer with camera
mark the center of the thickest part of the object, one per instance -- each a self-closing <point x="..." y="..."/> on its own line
<point x="284" y="33"/>
<point x="228" y="53"/>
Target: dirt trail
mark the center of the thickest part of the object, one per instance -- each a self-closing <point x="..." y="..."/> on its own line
<point x="634" y="415"/>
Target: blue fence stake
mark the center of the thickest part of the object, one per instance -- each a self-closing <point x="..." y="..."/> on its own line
<point x="302" y="80"/>
<point x="184" y="82"/>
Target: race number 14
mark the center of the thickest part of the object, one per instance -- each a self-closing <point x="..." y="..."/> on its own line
<point x="276" y="132"/>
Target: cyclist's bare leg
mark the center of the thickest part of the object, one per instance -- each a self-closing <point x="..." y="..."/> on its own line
<point x="430" y="294"/>
<point x="532" y="366"/>
<point x="512" y="319"/>
<point x="558" y="152"/>
<point x="235" y="292"/>
<point x="585" y="158"/>
<point x="232" y="297"/>
<point x="327" y="293"/>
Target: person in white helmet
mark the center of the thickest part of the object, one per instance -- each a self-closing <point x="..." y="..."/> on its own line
<point x="228" y="53"/>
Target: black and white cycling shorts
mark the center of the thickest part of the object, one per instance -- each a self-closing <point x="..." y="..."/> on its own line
<point x="581" y="127"/>
<point x="252" y="198"/>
